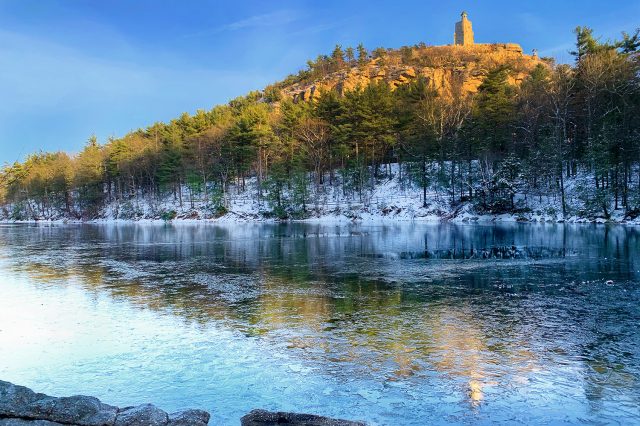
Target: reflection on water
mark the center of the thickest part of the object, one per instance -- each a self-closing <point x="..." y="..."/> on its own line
<point x="394" y="324"/>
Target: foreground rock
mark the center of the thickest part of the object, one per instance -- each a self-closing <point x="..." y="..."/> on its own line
<point x="268" y="418"/>
<point x="23" y="422"/>
<point x="20" y="406"/>
<point x="189" y="418"/>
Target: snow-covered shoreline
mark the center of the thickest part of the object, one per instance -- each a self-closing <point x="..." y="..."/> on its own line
<point x="332" y="220"/>
<point x="391" y="200"/>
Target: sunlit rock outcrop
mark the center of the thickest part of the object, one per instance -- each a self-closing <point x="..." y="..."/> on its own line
<point x="447" y="69"/>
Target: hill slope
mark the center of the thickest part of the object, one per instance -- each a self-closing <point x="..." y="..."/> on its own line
<point x="412" y="133"/>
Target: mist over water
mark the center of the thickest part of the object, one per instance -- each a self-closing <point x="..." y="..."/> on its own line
<point x="391" y="324"/>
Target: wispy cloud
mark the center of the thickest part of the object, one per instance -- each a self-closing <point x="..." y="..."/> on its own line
<point x="272" y="19"/>
<point x="320" y="28"/>
<point x="281" y="17"/>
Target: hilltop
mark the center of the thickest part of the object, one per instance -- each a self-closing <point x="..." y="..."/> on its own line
<point x="452" y="70"/>
<point x="448" y="69"/>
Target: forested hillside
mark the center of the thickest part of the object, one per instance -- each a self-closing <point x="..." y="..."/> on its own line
<point x="569" y="133"/>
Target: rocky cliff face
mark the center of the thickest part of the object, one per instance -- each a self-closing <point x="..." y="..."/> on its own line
<point x="448" y="69"/>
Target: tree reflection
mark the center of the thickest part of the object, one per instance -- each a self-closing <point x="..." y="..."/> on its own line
<point x="376" y="302"/>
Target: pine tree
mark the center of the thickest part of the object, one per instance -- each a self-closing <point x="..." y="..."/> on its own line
<point x="493" y="114"/>
<point x="337" y="57"/>
<point x="363" y="55"/>
<point x="350" y="56"/>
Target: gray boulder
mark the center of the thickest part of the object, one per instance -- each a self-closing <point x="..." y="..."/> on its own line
<point x="269" y="418"/>
<point x="22" y="402"/>
<point x="189" y="418"/>
<point x="20" y="406"/>
<point x="24" y="422"/>
<point x="15" y="400"/>
<point x="78" y="410"/>
<point x="142" y="415"/>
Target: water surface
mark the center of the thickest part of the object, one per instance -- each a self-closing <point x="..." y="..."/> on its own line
<point x="392" y="324"/>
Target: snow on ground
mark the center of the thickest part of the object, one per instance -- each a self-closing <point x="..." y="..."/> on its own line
<point x="391" y="200"/>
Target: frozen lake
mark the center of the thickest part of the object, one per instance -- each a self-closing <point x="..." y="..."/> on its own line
<point x="391" y="324"/>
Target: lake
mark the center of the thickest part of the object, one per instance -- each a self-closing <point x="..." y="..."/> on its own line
<point x="392" y="324"/>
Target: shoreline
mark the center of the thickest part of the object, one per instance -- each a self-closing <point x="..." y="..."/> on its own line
<point x="334" y="220"/>
<point x="390" y="201"/>
<point x="21" y="406"/>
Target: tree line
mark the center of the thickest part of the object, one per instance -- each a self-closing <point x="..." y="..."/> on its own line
<point x="560" y="123"/>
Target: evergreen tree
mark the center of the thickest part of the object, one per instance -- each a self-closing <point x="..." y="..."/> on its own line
<point x="350" y="56"/>
<point x="493" y="115"/>
<point x="363" y="55"/>
<point x="337" y="57"/>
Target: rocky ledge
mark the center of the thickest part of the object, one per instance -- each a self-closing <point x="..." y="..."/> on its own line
<point x="20" y="406"/>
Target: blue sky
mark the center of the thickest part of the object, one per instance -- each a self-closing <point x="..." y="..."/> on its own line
<point x="72" y="68"/>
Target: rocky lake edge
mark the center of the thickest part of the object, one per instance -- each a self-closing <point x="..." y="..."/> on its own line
<point x="21" y="406"/>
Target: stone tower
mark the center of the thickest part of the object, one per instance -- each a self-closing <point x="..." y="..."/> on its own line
<point x="464" y="32"/>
